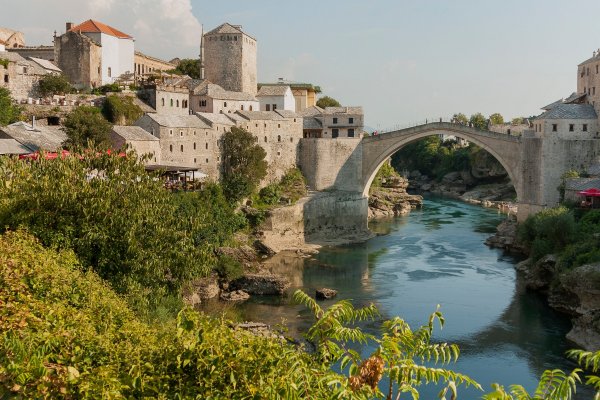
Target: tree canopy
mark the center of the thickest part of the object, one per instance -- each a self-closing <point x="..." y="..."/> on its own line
<point x="85" y="126"/>
<point x="496" y="119"/>
<point x="478" y="121"/>
<point x="54" y="84"/>
<point x="189" y="67"/>
<point x="9" y="112"/>
<point x="244" y="164"/>
<point x="460" y="118"/>
<point x="327" y="101"/>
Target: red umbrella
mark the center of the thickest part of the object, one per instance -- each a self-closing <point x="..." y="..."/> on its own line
<point x="593" y="192"/>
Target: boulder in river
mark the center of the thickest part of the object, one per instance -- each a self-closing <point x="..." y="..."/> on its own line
<point x="260" y="284"/>
<point x="201" y="289"/>
<point x="236" y="295"/>
<point x="325" y="294"/>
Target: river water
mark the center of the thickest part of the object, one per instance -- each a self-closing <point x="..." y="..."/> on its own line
<point x="434" y="256"/>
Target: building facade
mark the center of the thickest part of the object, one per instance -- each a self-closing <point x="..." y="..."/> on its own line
<point x="144" y="66"/>
<point x="333" y="122"/>
<point x="11" y="39"/>
<point x="20" y="76"/>
<point x="230" y="59"/>
<point x="305" y="94"/>
<point x="207" y="97"/>
<point x="146" y="146"/>
<point x="272" y="98"/>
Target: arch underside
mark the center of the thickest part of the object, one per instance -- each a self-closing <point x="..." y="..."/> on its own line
<point x="376" y="151"/>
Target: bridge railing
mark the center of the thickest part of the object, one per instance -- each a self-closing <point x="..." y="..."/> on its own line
<point x="413" y="124"/>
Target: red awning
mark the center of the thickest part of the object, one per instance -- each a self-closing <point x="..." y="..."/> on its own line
<point x="593" y="192"/>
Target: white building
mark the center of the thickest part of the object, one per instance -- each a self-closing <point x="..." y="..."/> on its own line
<point x="117" y="48"/>
<point x="276" y="97"/>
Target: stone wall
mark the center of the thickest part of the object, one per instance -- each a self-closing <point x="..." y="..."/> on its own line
<point x="332" y="164"/>
<point x="168" y="100"/>
<point x="20" y="80"/>
<point x="43" y="52"/>
<point x="79" y="58"/>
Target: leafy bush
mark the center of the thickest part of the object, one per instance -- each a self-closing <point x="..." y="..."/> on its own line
<point x="86" y="127"/>
<point x="118" y="220"/>
<point x="121" y="110"/>
<point x="548" y="231"/>
<point x="9" y="112"/>
<point x="50" y="85"/>
<point x="270" y="194"/>
<point x="109" y="88"/>
<point x="229" y="268"/>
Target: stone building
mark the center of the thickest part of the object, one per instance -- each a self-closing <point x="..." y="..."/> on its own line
<point x="207" y="97"/>
<point x="164" y="98"/>
<point x="21" y="77"/>
<point x="333" y="122"/>
<point x="138" y="139"/>
<point x="35" y="137"/>
<point x="144" y="65"/>
<point x="11" y="39"/>
<point x="92" y="54"/>
<point x="588" y="80"/>
<point x="276" y="97"/>
<point x="43" y="52"/>
<point x="229" y="59"/>
<point x="305" y="94"/>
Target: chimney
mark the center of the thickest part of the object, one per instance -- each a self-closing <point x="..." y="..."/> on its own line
<point x="69" y="26"/>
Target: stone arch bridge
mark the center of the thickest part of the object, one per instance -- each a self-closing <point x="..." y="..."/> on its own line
<point x="343" y="169"/>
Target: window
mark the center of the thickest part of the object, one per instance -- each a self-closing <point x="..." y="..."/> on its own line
<point x="171" y="148"/>
<point x="291" y="140"/>
<point x="350" y="120"/>
<point x="265" y="139"/>
<point x="571" y="127"/>
<point x="250" y="108"/>
<point x="202" y="103"/>
<point x="194" y="161"/>
<point x="256" y="125"/>
<point x="274" y="107"/>
<point x="242" y="107"/>
<point x="585" y="127"/>
<point x="279" y="138"/>
<point x="207" y="160"/>
<point x="278" y="153"/>
<point x="171" y="132"/>
<point x="163" y="101"/>
<point x="335" y="133"/>
<point x="24" y="70"/>
<point x="194" y="145"/>
<point x="206" y="146"/>
<point x="181" y="133"/>
<point x="350" y="132"/>
<point x="194" y="133"/>
<point x="5" y="78"/>
<point x="224" y="104"/>
<point x="181" y="148"/>
<point x="554" y="127"/>
<point x="171" y="102"/>
<point x="109" y="72"/>
<point x="279" y="125"/>
<point x="268" y="107"/>
<point x="335" y="120"/>
<point x="177" y="102"/>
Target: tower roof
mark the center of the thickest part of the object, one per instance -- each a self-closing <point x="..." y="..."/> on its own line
<point x="227" y="28"/>
<point x="91" y="26"/>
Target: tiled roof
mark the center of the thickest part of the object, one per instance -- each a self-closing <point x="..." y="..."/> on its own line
<point x="38" y="138"/>
<point x="582" y="183"/>
<point x="260" y="115"/>
<point x="216" y="118"/>
<point x="11" y="146"/>
<point x="595" y="58"/>
<point x="47" y="65"/>
<point x="133" y="133"/>
<point x="342" y="110"/>
<point x="312" y="123"/>
<point x="574" y="97"/>
<point x="91" y="26"/>
<point x="214" y="91"/>
<point x="288" y="114"/>
<point x="274" y="90"/>
<point x="552" y="105"/>
<point x="570" y="111"/>
<point x="178" y="121"/>
<point x="227" y="28"/>
<point x="311" y="111"/>
<point x="594" y="170"/>
<point x="294" y="85"/>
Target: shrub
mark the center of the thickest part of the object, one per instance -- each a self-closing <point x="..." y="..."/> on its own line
<point x="86" y="127"/>
<point x="121" y="110"/>
<point x="270" y="194"/>
<point x="54" y="84"/>
<point x="9" y="112"/>
<point x="229" y="268"/>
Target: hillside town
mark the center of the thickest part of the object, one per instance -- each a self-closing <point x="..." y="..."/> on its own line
<point x="184" y="118"/>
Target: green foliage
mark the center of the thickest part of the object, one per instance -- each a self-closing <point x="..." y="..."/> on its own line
<point x="244" y="164"/>
<point x="118" y="220"/>
<point x="189" y="67"/>
<point x="517" y="120"/>
<point x="478" y="121"/>
<point x="9" y="112"/>
<point x="121" y="110"/>
<point x="385" y="173"/>
<point x="400" y="355"/>
<point x="327" y="101"/>
<point x="54" y="84"/>
<point x="65" y="334"/>
<point x="86" y="127"/>
<point x="460" y="118"/>
<point x="108" y="88"/>
<point x="290" y="189"/>
<point x="4" y="62"/>
<point x="229" y="268"/>
<point x="270" y="194"/>
<point x="548" y="231"/>
<point x="497" y="119"/>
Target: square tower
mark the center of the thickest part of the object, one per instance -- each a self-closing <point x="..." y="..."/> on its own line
<point x="230" y="59"/>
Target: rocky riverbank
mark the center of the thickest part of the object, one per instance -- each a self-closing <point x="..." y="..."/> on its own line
<point x="575" y="292"/>
<point x="391" y="199"/>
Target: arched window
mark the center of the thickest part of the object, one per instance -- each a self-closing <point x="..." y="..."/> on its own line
<point x="171" y="102"/>
<point x="163" y="101"/>
<point x="178" y="103"/>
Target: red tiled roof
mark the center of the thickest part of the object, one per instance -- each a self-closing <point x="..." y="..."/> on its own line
<point x="94" y="26"/>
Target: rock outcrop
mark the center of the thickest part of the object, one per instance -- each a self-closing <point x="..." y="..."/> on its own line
<point x="201" y="289"/>
<point x="391" y="200"/>
<point x="325" y="294"/>
<point x="236" y="295"/>
<point x="505" y="238"/>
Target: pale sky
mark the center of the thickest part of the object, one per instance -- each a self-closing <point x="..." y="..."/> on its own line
<point x="403" y="61"/>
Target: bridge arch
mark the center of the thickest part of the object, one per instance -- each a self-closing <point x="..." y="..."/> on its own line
<point x="377" y="149"/>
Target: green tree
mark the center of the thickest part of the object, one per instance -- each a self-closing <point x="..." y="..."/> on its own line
<point x="121" y="110"/>
<point x="9" y="112"/>
<point x="244" y="164"/>
<point x="496" y="119"/>
<point x="460" y="118"/>
<point x="478" y="121"/>
<point x="517" y="120"/>
<point x="189" y="67"/>
<point x="571" y="174"/>
<point x="85" y="126"/>
<point x="327" y="101"/>
<point x="54" y="84"/>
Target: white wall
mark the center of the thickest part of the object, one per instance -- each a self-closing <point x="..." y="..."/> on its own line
<point x="2" y="48"/>
<point x="117" y="54"/>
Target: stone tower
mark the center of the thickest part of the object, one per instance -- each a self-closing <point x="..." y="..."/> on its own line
<point x="230" y="58"/>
